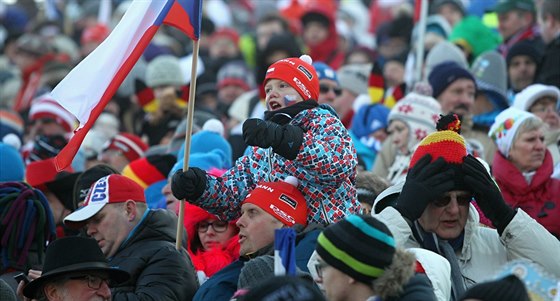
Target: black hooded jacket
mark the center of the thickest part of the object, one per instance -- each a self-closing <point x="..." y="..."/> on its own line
<point x="158" y="271"/>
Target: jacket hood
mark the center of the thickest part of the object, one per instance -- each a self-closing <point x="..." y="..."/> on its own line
<point x="396" y="275"/>
<point x="194" y="215"/>
<point x="324" y="49"/>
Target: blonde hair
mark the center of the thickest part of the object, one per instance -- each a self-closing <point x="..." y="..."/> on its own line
<point x="529" y="124"/>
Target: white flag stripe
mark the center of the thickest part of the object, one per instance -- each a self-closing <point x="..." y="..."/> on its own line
<point x="279" y="269"/>
<point x="81" y="90"/>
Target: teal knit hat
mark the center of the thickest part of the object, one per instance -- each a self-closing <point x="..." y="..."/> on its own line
<point x="360" y="246"/>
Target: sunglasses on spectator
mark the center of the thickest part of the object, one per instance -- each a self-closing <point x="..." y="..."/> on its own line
<point x="324" y="89"/>
<point x="217" y="225"/>
<point x="462" y="200"/>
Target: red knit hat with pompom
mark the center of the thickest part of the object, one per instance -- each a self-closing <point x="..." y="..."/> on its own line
<point x="298" y="73"/>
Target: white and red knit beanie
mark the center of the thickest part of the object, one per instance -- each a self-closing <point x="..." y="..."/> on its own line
<point x="505" y="127"/>
<point x="46" y="107"/>
<point x="130" y="145"/>
<point x="298" y="73"/>
<point x="420" y="113"/>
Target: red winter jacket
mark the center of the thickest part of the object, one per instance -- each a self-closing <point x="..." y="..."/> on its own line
<point x="540" y="199"/>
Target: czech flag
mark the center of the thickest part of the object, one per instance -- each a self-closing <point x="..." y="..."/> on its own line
<point x="285" y="252"/>
<point x="87" y="89"/>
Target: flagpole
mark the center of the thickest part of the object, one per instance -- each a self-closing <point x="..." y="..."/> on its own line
<point x="421" y="37"/>
<point x="188" y="135"/>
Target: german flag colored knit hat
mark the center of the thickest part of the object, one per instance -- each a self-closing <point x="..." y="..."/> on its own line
<point x="446" y="143"/>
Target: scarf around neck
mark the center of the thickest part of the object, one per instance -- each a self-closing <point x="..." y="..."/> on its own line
<point x="284" y="115"/>
<point x="447" y="249"/>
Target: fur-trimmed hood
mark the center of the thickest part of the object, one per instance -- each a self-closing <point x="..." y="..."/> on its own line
<point x="391" y="283"/>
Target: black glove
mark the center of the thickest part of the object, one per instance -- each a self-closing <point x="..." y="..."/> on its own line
<point x="188" y="185"/>
<point x="425" y="182"/>
<point x="285" y="140"/>
<point x="487" y="194"/>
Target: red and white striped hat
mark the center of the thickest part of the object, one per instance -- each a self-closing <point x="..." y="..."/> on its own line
<point x="46" y="107"/>
<point x="130" y="145"/>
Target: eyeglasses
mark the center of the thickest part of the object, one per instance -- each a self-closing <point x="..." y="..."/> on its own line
<point x="324" y="89"/>
<point x="462" y="200"/>
<point x="94" y="282"/>
<point x="218" y="226"/>
<point x="319" y="266"/>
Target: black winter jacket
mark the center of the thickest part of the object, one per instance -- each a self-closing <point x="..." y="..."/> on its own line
<point x="158" y="271"/>
<point x="549" y="72"/>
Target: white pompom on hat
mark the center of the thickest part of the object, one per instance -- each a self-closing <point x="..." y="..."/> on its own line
<point x="214" y="125"/>
<point x="292" y="181"/>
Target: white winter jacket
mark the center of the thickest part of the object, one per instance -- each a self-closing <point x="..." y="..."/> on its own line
<point x="484" y="252"/>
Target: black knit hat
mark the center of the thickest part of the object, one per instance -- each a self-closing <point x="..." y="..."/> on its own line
<point x="446" y="73"/>
<point x="524" y="47"/>
<point x="87" y="178"/>
<point x="359" y="246"/>
<point x="259" y="269"/>
<point x="314" y="16"/>
<point x="62" y="187"/>
<point x="509" y="288"/>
